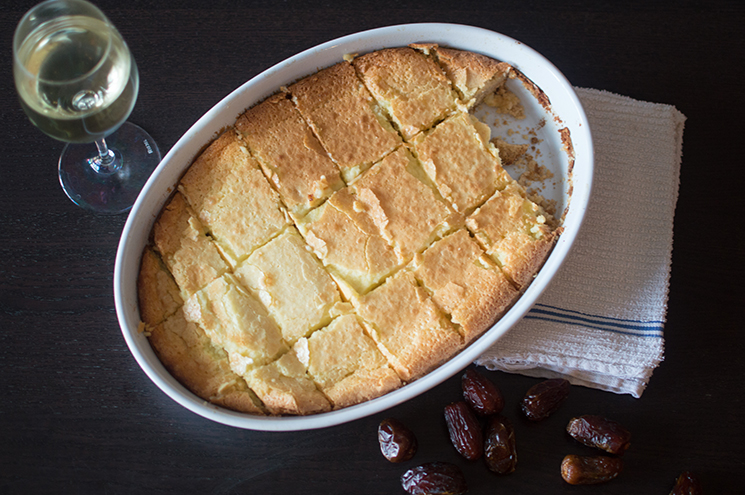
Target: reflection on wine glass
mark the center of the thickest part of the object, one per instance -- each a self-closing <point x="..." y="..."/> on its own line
<point x="78" y="83"/>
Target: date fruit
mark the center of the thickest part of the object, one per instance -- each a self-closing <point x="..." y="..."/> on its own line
<point x="589" y="470"/>
<point x="481" y="394"/>
<point x="686" y="484"/>
<point x="434" y="478"/>
<point x="465" y="430"/>
<point x="397" y="442"/>
<point x="544" y="398"/>
<point x="599" y="432"/>
<point x="500" y="453"/>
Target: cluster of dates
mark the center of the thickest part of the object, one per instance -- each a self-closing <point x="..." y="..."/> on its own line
<point x="496" y="442"/>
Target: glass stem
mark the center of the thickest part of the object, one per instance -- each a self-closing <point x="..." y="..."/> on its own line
<point x="105" y="162"/>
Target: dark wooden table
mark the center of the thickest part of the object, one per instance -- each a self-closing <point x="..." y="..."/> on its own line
<point x="77" y="415"/>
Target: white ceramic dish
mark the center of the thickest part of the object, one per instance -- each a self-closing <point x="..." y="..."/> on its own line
<point x="570" y="187"/>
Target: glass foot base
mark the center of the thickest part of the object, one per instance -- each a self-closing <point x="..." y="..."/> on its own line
<point x="114" y="192"/>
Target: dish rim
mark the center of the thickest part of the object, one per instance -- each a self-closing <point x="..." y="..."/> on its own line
<point x="143" y="213"/>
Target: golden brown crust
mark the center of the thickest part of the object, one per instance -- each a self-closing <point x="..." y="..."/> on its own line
<point x="458" y="160"/>
<point x="187" y="353"/>
<point x="345" y="363"/>
<point x="233" y="198"/>
<point x="364" y="385"/>
<point x="473" y="75"/>
<point x="345" y="118"/>
<point x="237" y="323"/>
<point x="411" y="87"/>
<point x="465" y="283"/>
<point x="407" y="212"/>
<point x="385" y="283"/>
<point x="407" y="326"/>
<point x="285" y="388"/>
<point x="157" y="292"/>
<point x="514" y="232"/>
<point x="528" y="257"/>
<point x="344" y="236"/>
<point x="190" y="255"/>
<point x="291" y="283"/>
<point x="290" y="155"/>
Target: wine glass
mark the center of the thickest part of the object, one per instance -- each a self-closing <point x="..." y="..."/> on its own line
<point x="78" y="83"/>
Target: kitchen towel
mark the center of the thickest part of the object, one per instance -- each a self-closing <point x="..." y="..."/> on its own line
<point x="600" y="322"/>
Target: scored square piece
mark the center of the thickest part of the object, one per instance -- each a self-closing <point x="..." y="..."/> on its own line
<point x="345" y="363"/>
<point x="407" y="211"/>
<point x="514" y="232"/>
<point x="187" y="251"/>
<point x="411" y="87"/>
<point x="473" y="75"/>
<point x="237" y="323"/>
<point x="227" y="189"/>
<point x="465" y="283"/>
<point x="290" y="155"/>
<point x="343" y="234"/>
<point x="407" y="326"/>
<point x="345" y="117"/>
<point x="189" y="355"/>
<point x="285" y="387"/>
<point x="461" y="162"/>
<point x="291" y="283"/>
<point x="157" y="291"/>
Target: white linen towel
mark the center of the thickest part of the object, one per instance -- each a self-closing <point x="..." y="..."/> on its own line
<point x="600" y="322"/>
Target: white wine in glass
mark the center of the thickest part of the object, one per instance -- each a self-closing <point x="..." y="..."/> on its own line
<point x="78" y="83"/>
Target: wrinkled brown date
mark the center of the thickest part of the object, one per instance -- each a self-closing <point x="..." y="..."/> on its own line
<point x="686" y="484"/>
<point x="481" y="394"/>
<point x="589" y="470"/>
<point x="500" y="453"/>
<point x="397" y="442"/>
<point x="465" y="430"/>
<point x="434" y="478"/>
<point x="544" y="398"/>
<point x="599" y="432"/>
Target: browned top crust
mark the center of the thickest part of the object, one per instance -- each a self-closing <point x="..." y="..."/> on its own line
<point x="158" y="293"/>
<point x="190" y="255"/>
<point x="313" y="258"/>
<point x="192" y="359"/>
<point x="465" y="283"/>
<point x="514" y="232"/>
<point x="473" y="75"/>
<point x="344" y="236"/>
<point x="407" y="326"/>
<point x="412" y="88"/>
<point x="290" y="155"/>
<point x="345" y="117"/>
<point x="291" y="283"/>
<point x="345" y="363"/>
<point x="407" y="212"/>
<point x="232" y="198"/>
<point x="461" y="162"/>
<point x="285" y="387"/>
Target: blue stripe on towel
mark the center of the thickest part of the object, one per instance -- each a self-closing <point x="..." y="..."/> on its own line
<point x="635" y="328"/>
